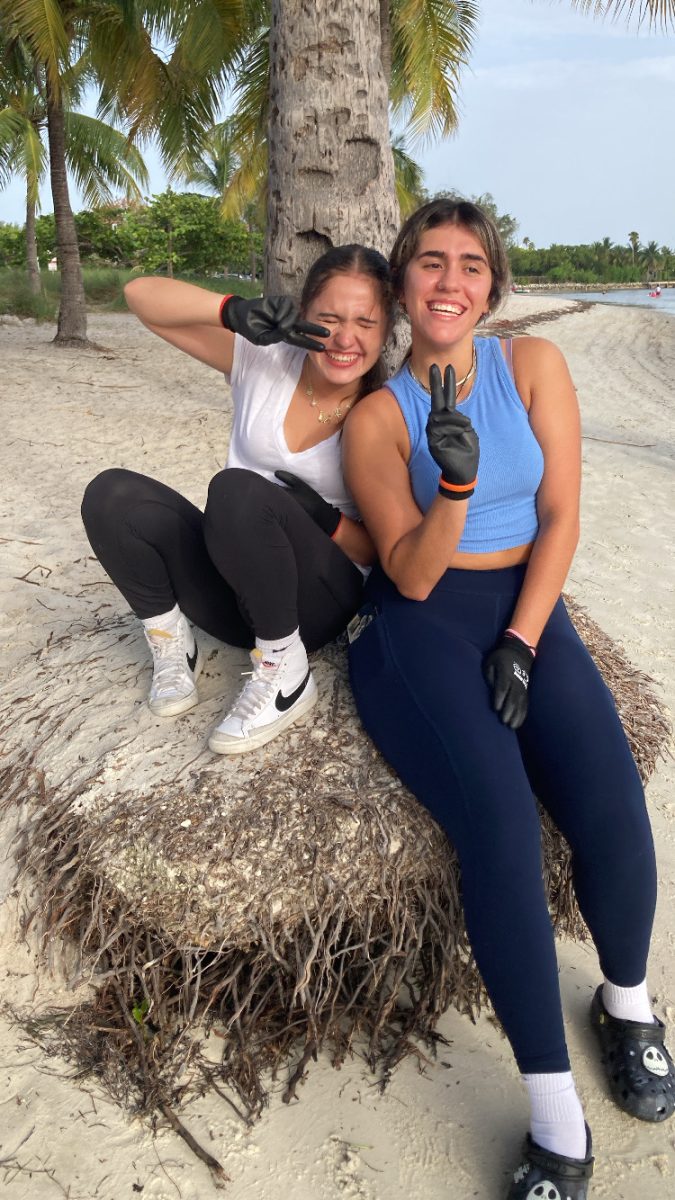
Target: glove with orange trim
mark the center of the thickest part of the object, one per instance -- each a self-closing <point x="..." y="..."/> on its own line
<point x="452" y="439"/>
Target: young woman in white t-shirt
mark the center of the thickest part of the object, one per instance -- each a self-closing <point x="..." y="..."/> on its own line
<point x="275" y="562"/>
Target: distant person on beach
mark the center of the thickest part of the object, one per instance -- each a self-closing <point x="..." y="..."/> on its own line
<point x="472" y="681"/>
<point x="275" y="563"/>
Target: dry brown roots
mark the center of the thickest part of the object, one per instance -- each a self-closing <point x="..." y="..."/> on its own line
<point x="307" y="904"/>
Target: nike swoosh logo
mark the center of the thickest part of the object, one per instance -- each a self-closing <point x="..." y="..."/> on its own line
<point x="285" y="702"/>
<point x="192" y="659"/>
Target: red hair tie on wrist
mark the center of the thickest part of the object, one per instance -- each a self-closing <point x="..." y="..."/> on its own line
<point x="222" y="306"/>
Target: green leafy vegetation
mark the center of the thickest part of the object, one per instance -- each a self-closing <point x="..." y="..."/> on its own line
<point x="103" y="288"/>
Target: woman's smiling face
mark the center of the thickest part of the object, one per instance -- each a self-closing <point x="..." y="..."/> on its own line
<point x="447" y="285"/>
<point x="350" y="306"/>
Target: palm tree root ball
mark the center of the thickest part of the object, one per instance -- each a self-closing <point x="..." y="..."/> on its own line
<point x="289" y="901"/>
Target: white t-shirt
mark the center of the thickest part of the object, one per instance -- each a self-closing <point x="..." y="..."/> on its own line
<point x="263" y="380"/>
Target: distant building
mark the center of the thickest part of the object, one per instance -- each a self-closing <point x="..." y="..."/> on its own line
<point x="52" y="265"/>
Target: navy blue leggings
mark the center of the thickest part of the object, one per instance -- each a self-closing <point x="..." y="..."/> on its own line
<point x="416" y="676"/>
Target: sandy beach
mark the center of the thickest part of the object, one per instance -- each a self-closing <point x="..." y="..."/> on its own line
<point x="443" y="1130"/>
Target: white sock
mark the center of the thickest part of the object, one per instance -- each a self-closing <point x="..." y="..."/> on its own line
<point x="628" y="1003"/>
<point x="168" y="623"/>
<point x="557" y="1118"/>
<point x="290" y="647"/>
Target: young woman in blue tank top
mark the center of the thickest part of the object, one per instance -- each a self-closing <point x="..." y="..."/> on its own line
<point x="470" y="677"/>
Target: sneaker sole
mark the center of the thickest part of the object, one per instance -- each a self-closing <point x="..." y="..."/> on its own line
<point x="224" y="743"/>
<point x="173" y="708"/>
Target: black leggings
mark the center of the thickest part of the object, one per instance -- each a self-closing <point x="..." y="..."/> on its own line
<point x="254" y="563"/>
<point x="416" y="675"/>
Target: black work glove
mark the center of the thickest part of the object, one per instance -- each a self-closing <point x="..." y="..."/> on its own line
<point x="507" y="671"/>
<point x="326" y="515"/>
<point x="271" y="319"/>
<point x="452" y="439"/>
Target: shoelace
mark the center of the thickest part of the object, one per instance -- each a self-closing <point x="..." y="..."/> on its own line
<point x="169" y="658"/>
<point x="257" y="690"/>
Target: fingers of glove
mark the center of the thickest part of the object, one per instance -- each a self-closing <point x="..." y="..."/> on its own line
<point x="305" y="343"/>
<point x="288" y="478"/>
<point x="500" y="689"/>
<point x="450" y="388"/>
<point x="442" y="390"/>
<point x="436" y="389"/>
<point x="514" y="710"/>
<point x="298" y="486"/>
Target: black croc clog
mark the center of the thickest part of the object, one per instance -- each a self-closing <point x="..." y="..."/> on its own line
<point x="543" y="1175"/>
<point x="640" y="1071"/>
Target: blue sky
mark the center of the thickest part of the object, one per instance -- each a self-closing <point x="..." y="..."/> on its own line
<point x="567" y="121"/>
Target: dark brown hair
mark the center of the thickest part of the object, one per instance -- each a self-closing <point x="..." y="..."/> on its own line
<point x="452" y="212"/>
<point x="355" y="260"/>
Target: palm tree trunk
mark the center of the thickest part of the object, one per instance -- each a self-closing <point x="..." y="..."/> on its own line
<point x="331" y="173"/>
<point x="72" y="320"/>
<point x="385" y="38"/>
<point x="33" y="266"/>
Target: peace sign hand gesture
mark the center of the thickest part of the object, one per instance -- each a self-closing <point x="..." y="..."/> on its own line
<point x="269" y="319"/>
<point x="452" y="439"/>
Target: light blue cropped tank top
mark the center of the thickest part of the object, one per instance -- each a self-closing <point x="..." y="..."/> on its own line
<point x="502" y="512"/>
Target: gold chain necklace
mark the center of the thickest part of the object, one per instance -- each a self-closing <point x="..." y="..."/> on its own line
<point x="460" y="382"/>
<point x="324" y="418"/>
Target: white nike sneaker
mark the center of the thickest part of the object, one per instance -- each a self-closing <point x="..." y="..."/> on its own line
<point x="175" y="671"/>
<point x="265" y="706"/>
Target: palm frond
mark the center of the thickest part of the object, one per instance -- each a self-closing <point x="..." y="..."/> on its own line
<point x="409" y="178"/>
<point x="102" y="161"/>
<point x="213" y="166"/>
<point x="248" y="184"/>
<point x="41" y="23"/>
<point x="176" y="94"/>
<point x="250" y="94"/>
<point x="22" y="151"/>
<point x="431" y="43"/>
<point x="653" y="13"/>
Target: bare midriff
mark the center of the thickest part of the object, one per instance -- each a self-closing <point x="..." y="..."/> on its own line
<point x="513" y="557"/>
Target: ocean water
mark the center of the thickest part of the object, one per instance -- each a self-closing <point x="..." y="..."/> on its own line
<point x="635" y="296"/>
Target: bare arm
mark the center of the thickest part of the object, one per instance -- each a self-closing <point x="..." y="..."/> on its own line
<point x="414" y="549"/>
<point x="354" y="539"/>
<point x="186" y="316"/>
<point x="542" y="374"/>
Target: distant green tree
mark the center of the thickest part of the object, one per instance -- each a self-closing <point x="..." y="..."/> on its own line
<point x="12" y="246"/>
<point x="45" y="235"/>
<point x="651" y="259"/>
<point x="668" y="261"/>
<point x="506" y="224"/>
<point x="185" y="232"/>
<point x="103" y="235"/>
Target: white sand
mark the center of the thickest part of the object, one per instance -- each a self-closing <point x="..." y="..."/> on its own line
<point x="453" y="1131"/>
